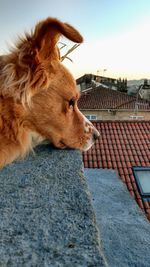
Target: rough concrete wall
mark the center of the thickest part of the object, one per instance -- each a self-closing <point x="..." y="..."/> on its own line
<point x="46" y="217"/>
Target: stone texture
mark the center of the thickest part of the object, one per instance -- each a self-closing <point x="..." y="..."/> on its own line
<point x="46" y="217"/>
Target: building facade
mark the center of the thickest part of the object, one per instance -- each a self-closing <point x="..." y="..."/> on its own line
<point x="106" y="104"/>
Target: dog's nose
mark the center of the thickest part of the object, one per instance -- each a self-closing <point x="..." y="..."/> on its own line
<point x="96" y="134"/>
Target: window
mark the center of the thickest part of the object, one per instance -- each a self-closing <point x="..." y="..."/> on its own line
<point x="91" y="117"/>
<point x="142" y="178"/>
<point x="134" y="117"/>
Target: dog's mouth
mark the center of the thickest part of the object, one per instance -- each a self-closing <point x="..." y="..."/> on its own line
<point x="61" y="144"/>
<point x="81" y="146"/>
<point x="82" y="143"/>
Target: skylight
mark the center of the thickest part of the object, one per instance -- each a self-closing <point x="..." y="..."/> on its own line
<point x="142" y="177"/>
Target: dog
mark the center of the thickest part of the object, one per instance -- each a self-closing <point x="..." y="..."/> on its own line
<point x="38" y="95"/>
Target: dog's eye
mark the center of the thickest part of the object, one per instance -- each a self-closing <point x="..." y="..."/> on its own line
<point x="72" y="102"/>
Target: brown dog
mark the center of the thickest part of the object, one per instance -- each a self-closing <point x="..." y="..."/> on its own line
<point x="38" y="95"/>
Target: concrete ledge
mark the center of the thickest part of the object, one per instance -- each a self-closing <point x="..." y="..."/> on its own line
<point x="46" y="216"/>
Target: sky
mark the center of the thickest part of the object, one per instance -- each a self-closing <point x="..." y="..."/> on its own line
<point x="116" y="33"/>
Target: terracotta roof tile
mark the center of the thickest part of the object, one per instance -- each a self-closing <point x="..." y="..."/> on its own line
<point x="103" y="98"/>
<point x="122" y="145"/>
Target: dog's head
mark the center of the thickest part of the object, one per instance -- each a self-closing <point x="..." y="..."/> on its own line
<point x="34" y="76"/>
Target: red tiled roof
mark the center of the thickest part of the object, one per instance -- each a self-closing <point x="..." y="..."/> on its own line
<point x="104" y="98"/>
<point x="122" y="145"/>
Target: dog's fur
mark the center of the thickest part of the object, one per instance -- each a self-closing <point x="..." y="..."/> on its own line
<point x="38" y="95"/>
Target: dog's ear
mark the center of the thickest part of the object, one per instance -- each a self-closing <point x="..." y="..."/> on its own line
<point x="41" y="43"/>
<point x="47" y="33"/>
<point x="27" y="69"/>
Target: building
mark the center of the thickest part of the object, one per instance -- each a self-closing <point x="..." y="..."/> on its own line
<point x="124" y="146"/>
<point x="144" y="90"/>
<point x="91" y="81"/>
<point x="103" y="103"/>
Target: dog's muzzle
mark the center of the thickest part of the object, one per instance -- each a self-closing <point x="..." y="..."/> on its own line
<point x="92" y="133"/>
<point x="96" y="134"/>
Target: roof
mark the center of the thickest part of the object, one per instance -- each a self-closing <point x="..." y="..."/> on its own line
<point x="122" y="145"/>
<point x="124" y="231"/>
<point x="104" y="98"/>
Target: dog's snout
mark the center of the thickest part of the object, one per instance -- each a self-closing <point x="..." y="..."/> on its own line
<point x="95" y="134"/>
<point x="89" y="128"/>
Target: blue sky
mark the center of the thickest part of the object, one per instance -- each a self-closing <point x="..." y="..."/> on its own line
<point x="116" y="32"/>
